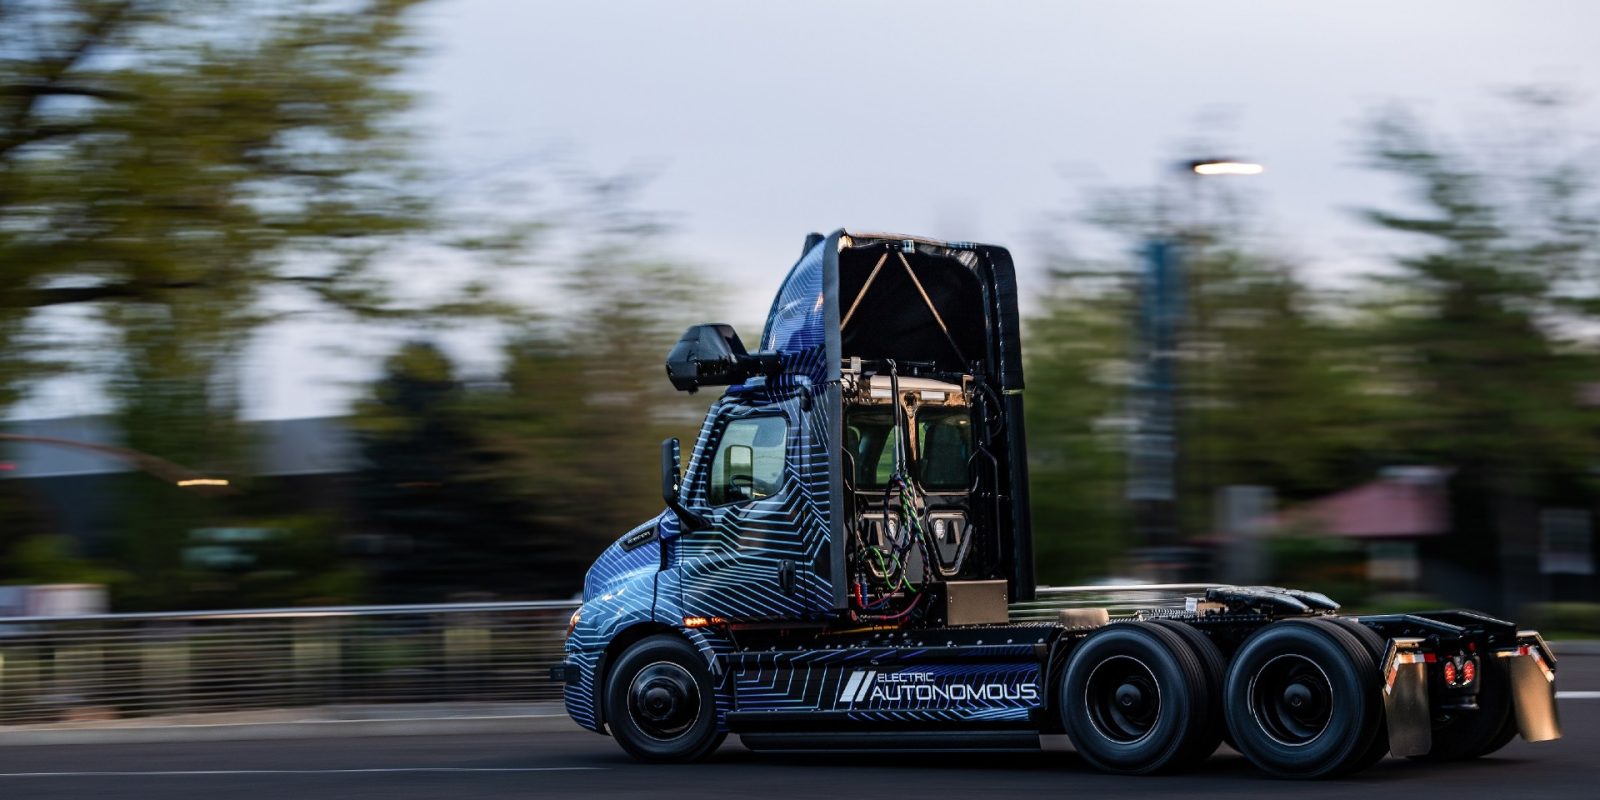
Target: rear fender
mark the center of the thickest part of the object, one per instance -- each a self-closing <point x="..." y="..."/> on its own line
<point x="1533" y="687"/>
<point x="1405" y="697"/>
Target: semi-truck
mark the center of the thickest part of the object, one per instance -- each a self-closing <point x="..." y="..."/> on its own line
<point x="836" y="568"/>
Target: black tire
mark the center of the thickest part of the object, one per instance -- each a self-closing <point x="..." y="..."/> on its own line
<point x="1471" y="734"/>
<point x="1133" y="699"/>
<point x="1376" y="646"/>
<point x="1215" y="668"/>
<point x="1302" y="699"/>
<point x="660" y="703"/>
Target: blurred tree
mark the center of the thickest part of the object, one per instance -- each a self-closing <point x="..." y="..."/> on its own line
<point x="177" y="172"/>
<point x="1274" y="393"/>
<point x="586" y="403"/>
<point x="157" y="155"/>
<point x="538" y="471"/>
<point x="52" y="559"/>
<point x="1079" y="370"/>
<point x="1485" y="331"/>
<point x="447" y="530"/>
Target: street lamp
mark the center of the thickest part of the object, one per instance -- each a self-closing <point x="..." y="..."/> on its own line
<point x="1224" y="166"/>
<point x="1152" y="487"/>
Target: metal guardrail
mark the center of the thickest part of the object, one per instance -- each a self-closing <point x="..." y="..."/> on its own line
<point x="115" y="666"/>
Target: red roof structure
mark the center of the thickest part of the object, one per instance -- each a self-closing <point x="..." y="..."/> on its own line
<point x="1406" y="502"/>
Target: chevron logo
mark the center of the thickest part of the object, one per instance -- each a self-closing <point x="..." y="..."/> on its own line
<point x="855" y="689"/>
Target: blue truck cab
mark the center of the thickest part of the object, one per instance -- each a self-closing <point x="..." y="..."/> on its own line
<point x="835" y="564"/>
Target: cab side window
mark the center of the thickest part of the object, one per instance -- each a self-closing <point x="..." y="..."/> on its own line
<point x="748" y="464"/>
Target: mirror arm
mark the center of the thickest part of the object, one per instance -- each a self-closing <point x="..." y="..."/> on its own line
<point x="690" y="519"/>
<point x="671" y="468"/>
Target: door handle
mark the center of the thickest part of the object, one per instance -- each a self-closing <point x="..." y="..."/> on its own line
<point x="786" y="576"/>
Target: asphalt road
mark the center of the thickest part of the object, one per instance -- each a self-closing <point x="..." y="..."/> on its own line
<point x="579" y="764"/>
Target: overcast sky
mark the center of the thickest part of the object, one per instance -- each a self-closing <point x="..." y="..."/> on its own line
<point x="968" y="120"/>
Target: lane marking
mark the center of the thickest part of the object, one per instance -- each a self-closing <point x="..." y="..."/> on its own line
<point x="371" y="770"/>
<point x="1578" y="695"/>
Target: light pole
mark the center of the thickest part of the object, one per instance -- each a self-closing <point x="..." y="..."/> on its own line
<point x="1152" y="489"/>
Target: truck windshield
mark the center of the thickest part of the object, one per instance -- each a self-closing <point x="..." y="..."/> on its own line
<point x="943" y="446"/>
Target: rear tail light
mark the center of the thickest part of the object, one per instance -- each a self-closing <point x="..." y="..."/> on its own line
<point x="1469" y="671"/>
<point x="1450" y="672"/>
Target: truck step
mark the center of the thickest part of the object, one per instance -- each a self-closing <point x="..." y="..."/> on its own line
<point x="922" y="741"/>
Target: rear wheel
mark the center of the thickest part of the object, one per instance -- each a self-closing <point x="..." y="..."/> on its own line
<point x="1469" y="734"/>
<point x="1376" y="645"/>
<point x="1134" y="699"/>
<point x="660" y="704"/>
<point x="1302" y="699"/>
<point x="1215" y="668"/>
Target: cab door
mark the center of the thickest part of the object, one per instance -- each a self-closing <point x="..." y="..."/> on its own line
<point x="758" y="557"/>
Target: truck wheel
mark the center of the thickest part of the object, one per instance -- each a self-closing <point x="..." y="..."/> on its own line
<point x="660" y="704"/>
<point x="1472" y="734"/>
<point x="1215" y="668"/>
<point x="1376" y="645"/>
<point x="1133" y="699"/>
<point x="1302" y="699"/>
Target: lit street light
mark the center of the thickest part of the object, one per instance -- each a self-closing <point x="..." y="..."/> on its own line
<point x="1225" y="166"/>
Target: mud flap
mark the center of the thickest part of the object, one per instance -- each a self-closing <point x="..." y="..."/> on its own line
<point x="1405" y="698"/>
<point x="1533" y="688"/>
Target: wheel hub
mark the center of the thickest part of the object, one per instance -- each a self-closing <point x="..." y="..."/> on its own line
<point x="664" y="700"/>
<point x="1292" y="698"/>
<point x="1123" y="699"/>
<point x="1129" y="696"/>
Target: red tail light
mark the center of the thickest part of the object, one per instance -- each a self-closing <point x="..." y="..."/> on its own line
<point x="1450" y="672"/>
<point x="1469" y="671"/>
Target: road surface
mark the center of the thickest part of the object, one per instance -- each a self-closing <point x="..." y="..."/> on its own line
<point x="578" y="764"/>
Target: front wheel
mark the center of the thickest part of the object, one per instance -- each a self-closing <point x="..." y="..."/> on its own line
<point x="660" y="704"/>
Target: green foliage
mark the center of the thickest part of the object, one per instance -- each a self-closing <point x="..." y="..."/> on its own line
<point x="1274" y="392"/>
<point x="448" y="529"/>
<point x="1482" y="334"/>
<point x="1475" y="352"/>
<point x="514" y="487"/>
<point x="162" y="149"/>
<point x="1479" y="330"/>
<point x="294" y="563"/>
<point x="1077" y="369"/>
<point x="53" y="559"/>
<point x="1332" y="565"/>
<point x="1566" y="620"/>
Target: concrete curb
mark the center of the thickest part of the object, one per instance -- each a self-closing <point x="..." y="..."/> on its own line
<point x="153" y="731"/>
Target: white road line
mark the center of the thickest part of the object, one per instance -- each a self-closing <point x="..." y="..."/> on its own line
<point x="204" y="772"/>
<point x="1578" y="695"/>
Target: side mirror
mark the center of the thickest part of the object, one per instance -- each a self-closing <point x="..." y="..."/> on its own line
<point x="712" y="355"/>
<point x="671" y="469"/>
<point x="742" y="471"/>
